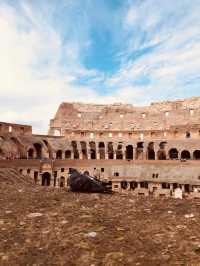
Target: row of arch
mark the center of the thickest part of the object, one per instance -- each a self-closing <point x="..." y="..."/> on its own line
<point x="92" y="150"/>
<point x="47" y="180"/>
<point x="129" y="154"/>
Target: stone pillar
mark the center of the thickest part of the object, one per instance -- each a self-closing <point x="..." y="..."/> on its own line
<point x="123" y="152"/>
<point x="58" y="180"/>
<point x="145" y="151"/>
<point x="98" y="154"/>
<point x="167" y="152"/>
<point x="88" y="151"/>
<point x="80" y="154"/>
<point x="79" y="147"/>
<point x="134" y="153"/>
<point x="156" y="149"/>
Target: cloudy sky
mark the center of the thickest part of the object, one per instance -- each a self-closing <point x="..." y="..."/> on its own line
<point x="100" y="51"/>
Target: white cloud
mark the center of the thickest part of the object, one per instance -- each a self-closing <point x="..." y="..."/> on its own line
<point x="39" y="69"/>
<point x="174" y="29"/>
<point x="31" y="71"/>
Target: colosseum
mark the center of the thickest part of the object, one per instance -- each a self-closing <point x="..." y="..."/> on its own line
<point x="149" y="150"/>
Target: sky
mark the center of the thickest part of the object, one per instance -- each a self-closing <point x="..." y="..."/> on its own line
<point x="95" y="51"/>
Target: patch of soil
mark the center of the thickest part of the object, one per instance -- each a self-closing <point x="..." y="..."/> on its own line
<point x="49" y="226"/>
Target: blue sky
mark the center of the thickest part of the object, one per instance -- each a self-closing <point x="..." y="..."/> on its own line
<point x="95" y="51"/>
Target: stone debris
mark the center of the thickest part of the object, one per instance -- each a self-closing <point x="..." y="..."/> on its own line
<point x="91" y="234"/>
<point x="8" y="211"/>
<point x="34" y="214"/>
<point x="189" y="215"/>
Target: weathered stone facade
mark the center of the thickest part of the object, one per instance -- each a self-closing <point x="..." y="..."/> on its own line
<point x="142" y="150"/>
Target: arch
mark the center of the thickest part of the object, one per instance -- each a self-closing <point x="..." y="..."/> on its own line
<point x="110" y="151"/>
<point x="129" y="152"/>
<point x="76" y="154"/>
<point x="20" y="147"/>
<point x="161" y="155"/>
<point x="196" y="155"/>
<point x="30" y="153"/>
<point x="93" y="154"/>
<point x="67" y="154"/>
<point x="102" y="150"/>
<point x="48" y="147"/>
<point x="92" y="150"/>
<point x="124" y="184"/>
<point x="45" y="142"/>
<point x="75" y="149"/>
<point x="119" y="152"/>
<point x="38" y="150"/>
<point x="185" y="155"/>
<point x="62" y="181"/>
<point x="86" y="173"/>
<point x="59" y="154"/>
<point x="140" y="150"/>
<point x="2" y="154"/>
<point x="150" y="151"/>
<point x="173" y="153"/>
<point x="46" y="179"/>
<point x="84" y="149"/>
<point x="187" y="134"/>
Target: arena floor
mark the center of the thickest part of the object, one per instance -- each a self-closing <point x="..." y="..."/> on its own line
<point x="48" y="226"/>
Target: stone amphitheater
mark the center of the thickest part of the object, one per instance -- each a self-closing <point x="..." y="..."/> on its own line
<point x="143" y="150"/>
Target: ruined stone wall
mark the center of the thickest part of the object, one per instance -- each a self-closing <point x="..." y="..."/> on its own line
<point x="15" y="129"/>
<point x="167" y="119"/>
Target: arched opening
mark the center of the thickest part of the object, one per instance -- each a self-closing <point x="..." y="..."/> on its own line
<point x="119" y="152"/>
<point x="67" y="154"/>
<point x="45" y="142"/>
<point x="129" y="152"/>
<point x="185" y="155"/>
<point x="92" y="150"/>
<point x="150" y="151"/>
<point x="38" y="149"/>
<point x="76" y="154"/>
<point x="2" y="154"/>
<point x="75" y="150"/>
<point x="59" y="155"/>
<point x="102" y="150"/>
<point x="30" y="153"/>
<point x="187" y="134"/>
<point x="110" y="151"/>
<point x="20" y="148"/>
<point x="46" y="179"/>
<point x="93" y="154"/>
<point x="62" y="181"/>
<point x="173" y="154"/>
<point x="196" y="155"/>
<point x="124" y="184"/>
<point x="140" y="151"/>
<point x="84" y="150"/>
<point x="86" y="173"/>
<point x="162" y="153"/>
<point x="49" y="149"/>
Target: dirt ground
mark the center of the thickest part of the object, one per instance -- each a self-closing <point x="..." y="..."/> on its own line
<point x="48" y="226"/>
